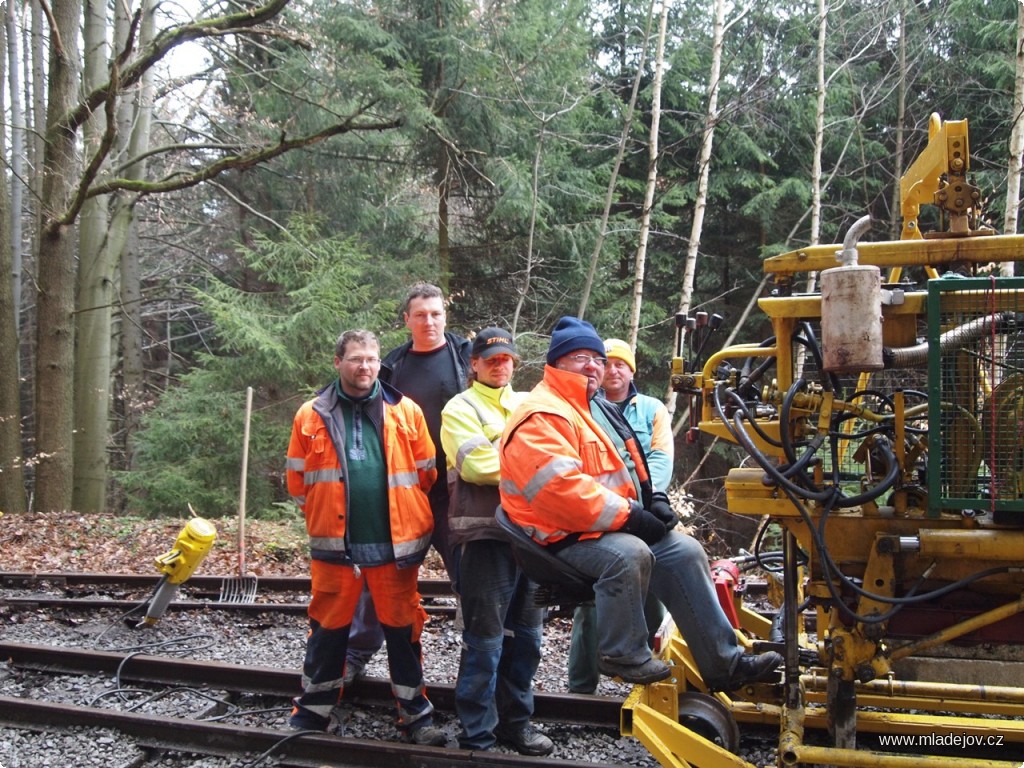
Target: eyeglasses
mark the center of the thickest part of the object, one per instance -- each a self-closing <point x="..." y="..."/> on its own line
<point x="369" y="362"/>
<point x="581" y="360"/>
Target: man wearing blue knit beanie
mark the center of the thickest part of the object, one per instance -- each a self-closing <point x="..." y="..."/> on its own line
<point x="574" y="476"/>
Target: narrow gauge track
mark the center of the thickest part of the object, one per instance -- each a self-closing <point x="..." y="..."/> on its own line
<point x="289" y="748"/>
<point x="201" y="584"/>
<point x="597" y="745"/>
<point x="602" y="711"/>
<point x="208" y="588"/>
<point x="303" y="749"/>
<point x="73" y="585"/>
<point x="211" y="584"/>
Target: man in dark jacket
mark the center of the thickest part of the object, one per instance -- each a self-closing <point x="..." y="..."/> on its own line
<point x="431" y="368"/>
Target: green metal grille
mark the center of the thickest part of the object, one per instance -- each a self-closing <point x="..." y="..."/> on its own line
<point x="976" y="396"/>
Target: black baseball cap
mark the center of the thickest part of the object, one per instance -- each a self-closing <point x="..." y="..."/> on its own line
<point x="493" y="341"/>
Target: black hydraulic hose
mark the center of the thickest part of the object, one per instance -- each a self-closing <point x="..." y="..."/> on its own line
<point x="817" y="537"/>
<point x="829" y="498"/>
<point x="795" y="464"/>
<point x="808" y="455"/>
<point x="873" y="493"/>
<point x="831" y="383"/>
<point x="761" y="557"/>
<point x="742" y="405"/>
<point x="788" y="446"/>
<point x="831" y="572"/>
<point x="840" y="435"/>
<point x="908" y="599"/>
<point x="738" y="432"/>
<point x="749" y="377"/>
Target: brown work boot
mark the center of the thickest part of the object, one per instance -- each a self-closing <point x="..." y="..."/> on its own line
<point x="425" y="736"/>
<point x="651" y="671"/>
<point x="526" y="741"/>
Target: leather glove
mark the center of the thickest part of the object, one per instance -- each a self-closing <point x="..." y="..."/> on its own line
<point x="644" y="525"/>
<point x="662" y="509"/>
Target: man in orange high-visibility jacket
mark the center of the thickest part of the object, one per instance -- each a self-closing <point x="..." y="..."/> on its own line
<point x="360" y="463"/>
<point x="430" y="368"/>
<point x="574" y="477"/>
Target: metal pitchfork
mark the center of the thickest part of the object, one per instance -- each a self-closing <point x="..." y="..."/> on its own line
<point x="241" y="588"/>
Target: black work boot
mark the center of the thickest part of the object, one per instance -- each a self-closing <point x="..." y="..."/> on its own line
<point x="755" y="668"/>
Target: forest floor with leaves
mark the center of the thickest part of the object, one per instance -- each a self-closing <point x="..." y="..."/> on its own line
<point x="108" y="543"/>
<point x="44" y="543"/>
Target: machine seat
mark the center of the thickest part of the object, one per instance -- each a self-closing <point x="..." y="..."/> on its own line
<point x="558" y="582"/>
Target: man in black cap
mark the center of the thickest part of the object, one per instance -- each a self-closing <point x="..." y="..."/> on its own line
<point x="501" y="633"/>
<point x="574" y="476"/>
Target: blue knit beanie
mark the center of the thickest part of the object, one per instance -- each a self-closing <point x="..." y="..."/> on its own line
<point x="571" y="334"/>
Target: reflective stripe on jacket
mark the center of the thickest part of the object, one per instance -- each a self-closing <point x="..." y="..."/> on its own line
<point x="317" y="468"/>
<point x="652" y="424"/>
<point x="471" y="427"/>
<point x="560" y="473"/>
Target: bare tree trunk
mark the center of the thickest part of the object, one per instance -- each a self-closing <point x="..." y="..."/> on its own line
<point x="57" y="252"/>
<point x="95" y="296"/>
<point x="133" y="384"/>
<point x="819" y="142"/>
<point x="444" y="188"/>
<point x="35" y="51"/>
<point x="17" y="166"/>
<point x="1016" y="141"/>
<point x="703" y="171"/>
<point x="12" y="478"/>
<point x="134" y="120"/>
<point x="895" y="217"/>
<point x="652" y="180"/>
<point x="627" y="123"/>
<point x="819" y="134"/>
<point x="534" y="192"/>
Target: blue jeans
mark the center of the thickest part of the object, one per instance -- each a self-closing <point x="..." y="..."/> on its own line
<point x="583" y="673"/>
<point x="500" y="642"/>
<point x="676" y="571"/>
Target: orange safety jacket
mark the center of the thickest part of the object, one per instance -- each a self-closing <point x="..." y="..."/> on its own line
<point x="317" y="468"/>
<point x="561" y="474"/>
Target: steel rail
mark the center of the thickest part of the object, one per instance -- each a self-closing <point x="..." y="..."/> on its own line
<point x="22" y="579"/>
<point x="90" y="604"/>
<point x="309" y="749"/>
<point x="601" y="711"/>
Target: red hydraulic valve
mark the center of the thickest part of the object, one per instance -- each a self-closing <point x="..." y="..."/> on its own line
<point x="726" y="575"/>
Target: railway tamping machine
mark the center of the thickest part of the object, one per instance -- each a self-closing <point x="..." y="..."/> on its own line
<point x="884" y="423"/>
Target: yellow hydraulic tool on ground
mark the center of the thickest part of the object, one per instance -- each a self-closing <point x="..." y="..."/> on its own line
<point x="885" y="422"/>
<point x="177" y="565"/>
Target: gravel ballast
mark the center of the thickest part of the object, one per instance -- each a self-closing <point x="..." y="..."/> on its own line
<point x="274" y="640"/>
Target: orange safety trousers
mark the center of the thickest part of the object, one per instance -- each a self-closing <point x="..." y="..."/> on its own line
<point x="395" y="593"/>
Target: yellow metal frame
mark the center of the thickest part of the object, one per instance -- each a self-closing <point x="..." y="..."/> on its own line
<point x="870" y="540"/>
